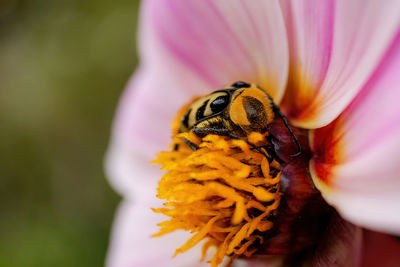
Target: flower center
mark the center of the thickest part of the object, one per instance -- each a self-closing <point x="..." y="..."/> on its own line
<point x="235" y="181"/>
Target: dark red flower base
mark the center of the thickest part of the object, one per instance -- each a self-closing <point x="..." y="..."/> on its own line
<point x="303" y="215"/>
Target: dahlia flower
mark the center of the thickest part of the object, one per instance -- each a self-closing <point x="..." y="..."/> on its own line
<point x="332" y="67"/>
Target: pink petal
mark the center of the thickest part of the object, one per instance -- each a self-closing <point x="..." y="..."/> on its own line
<point x="310" y="27"/>
<point x="356" y="160"/>
<point x="335" y="48"/>
<point x="223" y="41"/>
<point x="141" y="129"/>
<point x="131" y="244"/>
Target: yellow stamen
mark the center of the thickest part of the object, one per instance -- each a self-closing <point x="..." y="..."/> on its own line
<point x="225" y="191"/>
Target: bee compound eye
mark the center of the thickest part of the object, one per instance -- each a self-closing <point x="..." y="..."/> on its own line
<point x="219" y="104"/>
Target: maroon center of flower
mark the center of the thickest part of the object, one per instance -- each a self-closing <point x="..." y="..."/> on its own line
<point x="303" y="215"/>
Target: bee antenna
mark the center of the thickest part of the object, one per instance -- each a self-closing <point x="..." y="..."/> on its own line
<point x="283" y="117"/>
<point x="192" y="145"/>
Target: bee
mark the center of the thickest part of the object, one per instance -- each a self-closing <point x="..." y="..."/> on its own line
<point x="233" y="111"/>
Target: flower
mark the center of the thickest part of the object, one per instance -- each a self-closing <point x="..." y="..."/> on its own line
<point x="332" y="66"/>
<point x="224" y="190"/>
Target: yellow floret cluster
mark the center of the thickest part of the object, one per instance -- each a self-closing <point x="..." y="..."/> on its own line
<point x="225" y="192"/>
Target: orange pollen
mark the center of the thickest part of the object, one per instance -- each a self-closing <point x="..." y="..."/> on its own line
<point x="225" y="192"/>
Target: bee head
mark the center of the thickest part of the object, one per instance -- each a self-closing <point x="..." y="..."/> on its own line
<point x="244" y="105"/>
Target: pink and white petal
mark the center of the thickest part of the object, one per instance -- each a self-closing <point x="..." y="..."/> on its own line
<point x="380" y="250"/>
<point x="140" y="130"/>
<point x="218" y="41"/>
<point x="356" y="162"/>
<point x="332" y="60"/>
<point x="131" y="244"/>
<point x="310" y="26"/>
<point x="128" y="166"/>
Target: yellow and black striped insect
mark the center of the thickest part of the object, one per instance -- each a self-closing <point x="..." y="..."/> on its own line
<point x="233" y="111"/>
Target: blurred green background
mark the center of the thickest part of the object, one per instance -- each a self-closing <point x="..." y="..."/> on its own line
<point x="63" y="65"/>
